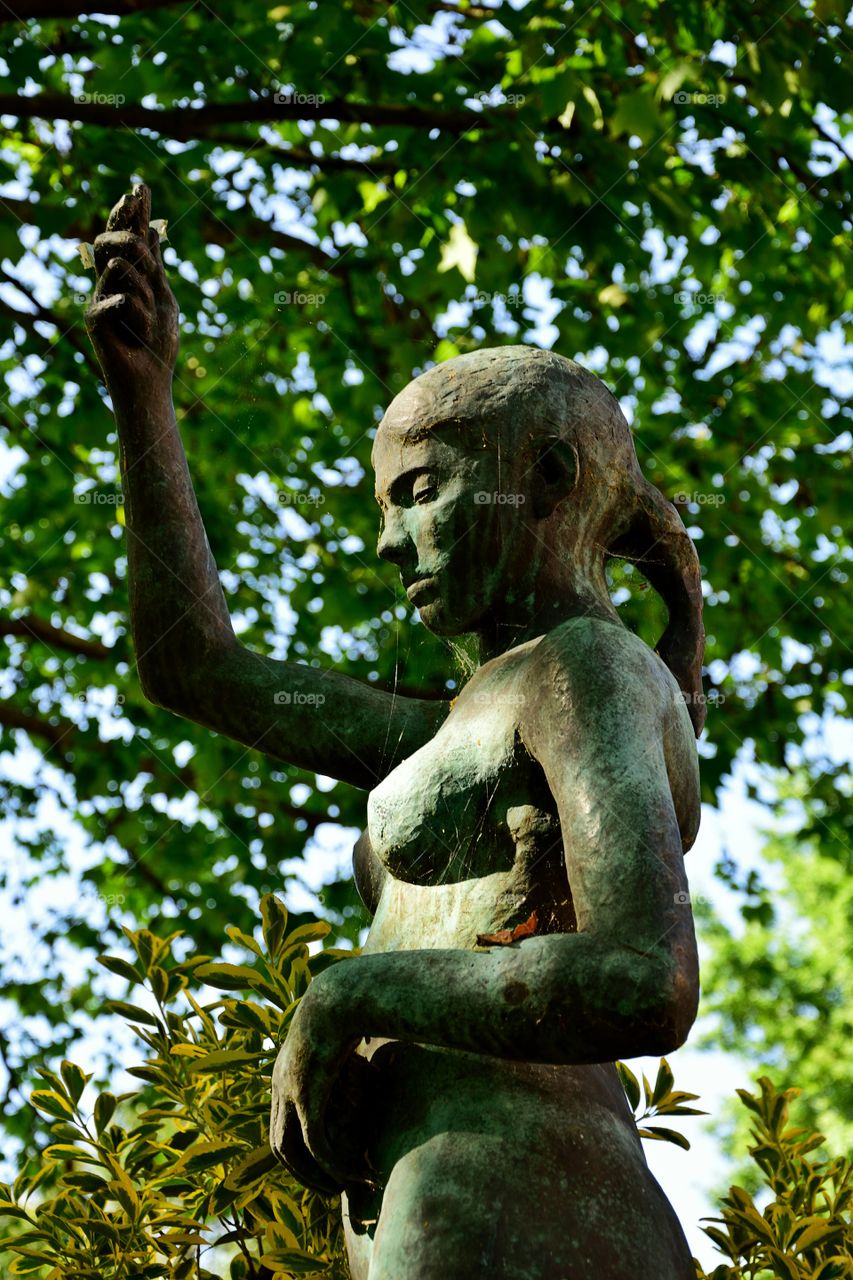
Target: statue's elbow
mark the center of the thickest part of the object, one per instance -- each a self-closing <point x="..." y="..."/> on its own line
<point x="168" y="681"/>
<point x="188" y="675"/>
<point x="674" y="1013"/>
<point x="155" y="685"/>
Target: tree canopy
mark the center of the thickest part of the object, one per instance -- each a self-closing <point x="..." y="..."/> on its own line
<point x="658" y="190"/>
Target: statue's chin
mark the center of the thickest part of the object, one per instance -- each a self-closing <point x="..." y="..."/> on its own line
<point x="435" y="618"/>
<point x="438" y="619"/>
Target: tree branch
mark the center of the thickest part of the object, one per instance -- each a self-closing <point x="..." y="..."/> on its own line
<point x="186" y="124"/>
<point x="56" y="735"/>
<point x="40" y="9"/>
<point x="60" y="736"/>
<point x="302" y="158"/>
<point x="54" y="637"/>
<point x="39" y="313"/>
<point x="26" y="10"/>
<point x="214" y="229"/>
<point x="827" y="137"/>
<point x="13" y="1082"/>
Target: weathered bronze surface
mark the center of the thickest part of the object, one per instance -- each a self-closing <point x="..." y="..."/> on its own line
<point x="550" y="804"/>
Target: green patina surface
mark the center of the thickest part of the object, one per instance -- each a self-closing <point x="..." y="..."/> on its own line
<point x="523" y="855"/>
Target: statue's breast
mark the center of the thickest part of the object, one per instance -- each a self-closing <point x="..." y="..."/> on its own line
<point x="440" y="815"/>
<point x="449" y="812"/>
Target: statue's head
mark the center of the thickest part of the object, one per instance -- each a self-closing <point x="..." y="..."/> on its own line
<point x="512" y="469"/>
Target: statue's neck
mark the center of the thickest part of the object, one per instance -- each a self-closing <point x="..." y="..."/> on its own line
<point x="523" y="620"/>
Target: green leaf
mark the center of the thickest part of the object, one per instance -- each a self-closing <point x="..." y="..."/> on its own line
<point x="220" y="1058"/>
<point x="63" y="1151"/>
<point x="638" y="113"/>
<point x="25" y="1266"/>
<point x="784" y="1266"/>
<point x="655" y="1131"/>
<point x="256" y="1165"/>
<point x="630" y="1084"/>
<point x="817" y="1235"/>
<point x="245" y="1013"/>
<point x="8" y="1209"/>
<point x="105" y="1106"/>
<point x="274" y="917"/>
<point x="132" y="1012"/>
<point x="75" y="1080"/>
<point x="121" y="967"/>
<point x="663" y="1083"/>
<point x="243" y="939"/>
<point x="51" y="1103"/>
<point x="460" y="251"/>
<point x="293" y="1262"/>
<point x="207" y="1155"/>
<point x="226" y="977"/>
<point x="88" y="1182"/>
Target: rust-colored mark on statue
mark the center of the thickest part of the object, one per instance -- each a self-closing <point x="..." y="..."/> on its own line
<point x="504" y="937"/>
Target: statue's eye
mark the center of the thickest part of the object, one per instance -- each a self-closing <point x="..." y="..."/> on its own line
<point x="424" y="491"/>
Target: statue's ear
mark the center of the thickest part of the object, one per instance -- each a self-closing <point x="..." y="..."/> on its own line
<point x="554" y="475"/>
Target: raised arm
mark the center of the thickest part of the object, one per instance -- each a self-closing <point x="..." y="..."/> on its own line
<point x="188" y="657"/>
<point x="603" y="718"/>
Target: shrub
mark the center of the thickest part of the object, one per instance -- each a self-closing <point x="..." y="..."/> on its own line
<point x="178" y="1176"/>
<point x="804" y="1231"/>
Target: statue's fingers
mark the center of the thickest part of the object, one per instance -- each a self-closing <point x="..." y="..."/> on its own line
<point x="127" y="245"/>
<point x="120" y="277"/>
<point x="158" y="277"/>
<point x="120" y="315"/>
<point x="289" y="1146"/>
<point x="133" y="211"/>
<point x="153" y="242"/>
<point x="337" y="1157"/>
<point x="101" y="318"/>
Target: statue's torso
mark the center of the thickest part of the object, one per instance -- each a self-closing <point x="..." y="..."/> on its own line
<point x="465" y="840"/>
<point x="466" y="828"/>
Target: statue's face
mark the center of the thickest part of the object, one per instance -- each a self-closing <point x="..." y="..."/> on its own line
<point x="456" y="523"/>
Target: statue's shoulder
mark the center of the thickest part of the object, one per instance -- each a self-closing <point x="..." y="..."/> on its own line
<point x="600" y="660"/>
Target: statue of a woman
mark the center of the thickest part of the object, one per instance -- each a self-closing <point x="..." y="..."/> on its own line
<point x="523" y="858"/>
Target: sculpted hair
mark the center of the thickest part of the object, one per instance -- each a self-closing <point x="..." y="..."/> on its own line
<point x="518" y="396"/>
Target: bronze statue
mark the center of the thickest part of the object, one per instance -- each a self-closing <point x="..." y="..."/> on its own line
<point x="523" y="858"/>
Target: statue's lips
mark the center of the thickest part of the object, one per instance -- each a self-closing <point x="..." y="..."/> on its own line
<point x="421" y="588"/>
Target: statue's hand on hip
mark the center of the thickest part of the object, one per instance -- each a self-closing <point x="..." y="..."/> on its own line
<point x="320" y="1091"/>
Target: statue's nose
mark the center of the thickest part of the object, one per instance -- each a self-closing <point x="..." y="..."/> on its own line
<point x="394" y="543"/>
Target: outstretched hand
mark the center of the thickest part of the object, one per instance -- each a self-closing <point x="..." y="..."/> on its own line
<point x="133" y="321"/>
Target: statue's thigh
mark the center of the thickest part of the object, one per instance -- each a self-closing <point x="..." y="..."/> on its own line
<point x="463" y="1205"/>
